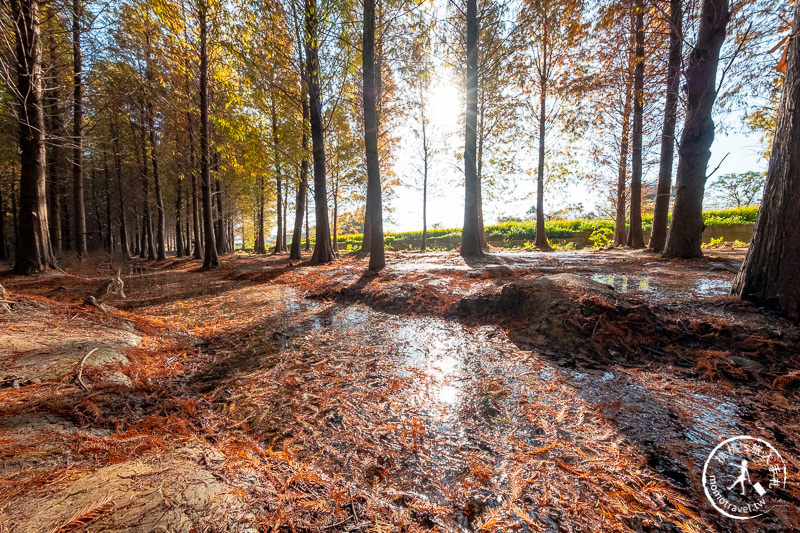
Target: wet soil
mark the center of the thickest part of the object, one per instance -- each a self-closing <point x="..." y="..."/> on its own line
<point x="525" y="392"/>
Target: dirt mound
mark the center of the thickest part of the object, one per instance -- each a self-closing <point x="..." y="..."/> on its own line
<point x="566" y="309"/>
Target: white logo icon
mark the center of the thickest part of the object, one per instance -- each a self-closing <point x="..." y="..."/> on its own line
<point x="741" y="475"/>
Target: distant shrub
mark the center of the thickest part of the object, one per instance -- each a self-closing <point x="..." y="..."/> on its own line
<point x="601" y="237"/>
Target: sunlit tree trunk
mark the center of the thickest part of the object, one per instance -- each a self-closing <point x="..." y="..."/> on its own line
<point x="620" y="233"/>
<point x="635" y="236"/>
<point x="658" y="236"/>
<point x="686" y="232"/>
<point x="541" y="235"/>
<point x="54" y="120"/>
<point x="302" y="184"/>
<point x="377" y="259"/>
<point x="34" y="252"/>
<point x="470" y="237"/>
<point x="211" y="258"/>
<point x="279" y="247"/>
<point x="770" y="274"/>
<point x="323" y="251"/>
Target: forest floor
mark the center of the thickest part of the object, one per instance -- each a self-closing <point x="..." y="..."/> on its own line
<point x="568" y="391"/>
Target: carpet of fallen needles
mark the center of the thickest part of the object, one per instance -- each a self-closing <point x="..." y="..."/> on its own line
<point x="568" y="391"/>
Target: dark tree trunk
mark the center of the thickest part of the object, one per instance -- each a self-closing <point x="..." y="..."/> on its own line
<point x="481" y="230"/>
<point x="123" y="229"/>
<point x="770" y="274"/>
<point x="541" y="234"/>
<point x="146" y="248"/>
<point x="96" y="202"/>
<point x="161" y="252"/>
<point x="658" y="236"/>
<point x="308" y="241"/>
<point x="222" y="241"/>
<point x="619" y="223"/>
<point x="301" y="202"/>
<point x="211" y="258"/>
<point x="34" y="252"/>
<point x="635" y="236"/>
<point x="323" y="251"/>
<point x="109" y="242"/>
<point x="3" y="247"/>
<point x="470" y="237"/>
<point x="179" y="247"/>
<point x="377" y="259"/>
<point x="686" y="232"/>
<point x="55" y="154"/>
<point x="198" y="242"/>
<point x="14" y="210"/>
<point x="79" y="210"/>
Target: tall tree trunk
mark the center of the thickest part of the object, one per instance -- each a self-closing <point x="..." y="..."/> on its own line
<point x="55" y="153"/>
<point x="123" y="229"/>
<point x="481" y="230"/>
<point x="302" y="184"/>
<point x="658" y="236"/>
<point x="541" y="234"/>
<point x="258" y="246"/>
<point x="686" y="232"/>
<point x="377" y="259"/>
<point x="470" y="236"/>
<point x="308" y="241"/>
<point x="96" y="202"/>
<point x="3" y="246"/>
<point x="161" y="252"/>
<point x="211" y="258"/>
<point x="619" y="224"/>
<point x="285" y="210"/>
<point x="198" y="242"/>
<point x="109" y="242"/>
<point x="424" y="179"/>
<point x="146" y="248"/>
<point x="14" y="210"/>
<point x="770" y="274"/>
<point x="635" y="236"/>
<point x="323" y="251"/>
<point x="179" y="246"/>
<point x="77" y="133"/>
<point x="222" y="241"/>
<point x="34" y="252"/>
<point x="278" y="182"/>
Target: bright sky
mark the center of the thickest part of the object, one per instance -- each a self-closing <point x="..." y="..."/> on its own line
<point x="446" y="199"/>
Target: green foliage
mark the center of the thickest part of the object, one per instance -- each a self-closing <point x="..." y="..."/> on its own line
<point x="525" y="231"/>
<point x="601" y="237"/>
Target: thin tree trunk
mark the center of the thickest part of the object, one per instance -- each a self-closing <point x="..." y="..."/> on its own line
<point x="161" y="252"/>
<point x="541" y="235"/>
<point x="98" y="219"/>
<point x="377" y="259"/>
<point x="323" y="251"/>
<point x="686" y="232"/>
<point x="658" y="236"/>
<point x="179" y="218"/>
<point x="258" y="246"/>
<point x="3" y="246"/>
<point x="470" y="236"/>
<point x="77" y="133"/>
<point x="123" y="230"/>
<point x="222" y="241"/>
<point x="635" y="236"/>
<point x="109" y="242"/>
<point x="55" y="154"/>
<point x="301" y="202"/>
<point x="278" y="183"/>
<point x="198" y="242"/>
<point x="34" y="252"/>
<point x="481" y="231"/>
<point x="424" y="180"/>
<point x="620" y="233"/>
<point x="770" y="274"/>
<point x="308" y="241"/>
<point x="211" y="258"/>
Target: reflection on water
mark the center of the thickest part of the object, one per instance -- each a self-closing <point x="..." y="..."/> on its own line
<point x="656" y="289"/>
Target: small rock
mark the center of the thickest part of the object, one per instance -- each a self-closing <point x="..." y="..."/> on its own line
<point x="107" y="356"/>
<point x="15" y="384"/>
<point x="119" y="379"/>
